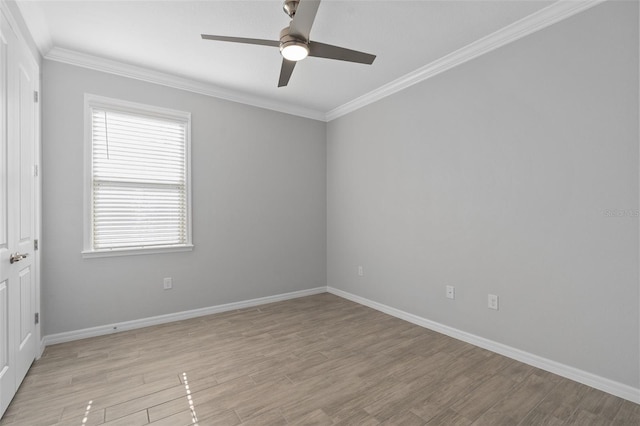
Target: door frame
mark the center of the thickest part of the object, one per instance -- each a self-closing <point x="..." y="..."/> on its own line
<point x="26" y="43"/>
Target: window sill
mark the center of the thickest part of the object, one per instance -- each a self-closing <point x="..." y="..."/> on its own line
<point x="87" y="254"/>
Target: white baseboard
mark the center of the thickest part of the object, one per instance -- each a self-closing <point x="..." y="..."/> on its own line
<point x="606" y="385"/>
<point x="41" y="347"/>
<point x="69" y="336"/>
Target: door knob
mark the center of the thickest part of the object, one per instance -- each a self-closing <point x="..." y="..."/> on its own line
<point x="17" y="257"/>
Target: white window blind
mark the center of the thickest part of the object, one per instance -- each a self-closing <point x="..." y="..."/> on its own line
<point x="139" y="178"/>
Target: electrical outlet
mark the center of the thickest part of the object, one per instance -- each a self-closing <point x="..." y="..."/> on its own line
<point x="493" y="302"/>
<point x="168" y="283"/>
<point x="360" y="271"/>
<point x="451" y="292"/>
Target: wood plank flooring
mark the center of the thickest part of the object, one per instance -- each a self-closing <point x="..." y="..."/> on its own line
<point x="318" y="360"/>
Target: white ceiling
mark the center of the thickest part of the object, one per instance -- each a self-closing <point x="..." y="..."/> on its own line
<point x="165" y="36"/>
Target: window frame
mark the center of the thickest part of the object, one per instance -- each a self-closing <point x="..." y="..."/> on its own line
<point x="95" y="101"/>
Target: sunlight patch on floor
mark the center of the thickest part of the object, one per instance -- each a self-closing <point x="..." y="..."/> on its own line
<point x="86" y="413"/>
<point x="194" y="417"/>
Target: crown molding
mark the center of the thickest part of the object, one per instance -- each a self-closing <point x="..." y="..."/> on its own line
<point x="6" y="11"/>
<point x="36" y="24"/>
<point x="537" y="21"/>
<point x="151" y="76"/>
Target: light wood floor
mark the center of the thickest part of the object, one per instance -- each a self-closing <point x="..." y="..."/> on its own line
<point x="318" y="360"/>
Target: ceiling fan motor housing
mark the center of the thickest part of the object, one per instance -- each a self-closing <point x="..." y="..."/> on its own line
<point x="287" y="41"/>
<point x="285" y="37"/>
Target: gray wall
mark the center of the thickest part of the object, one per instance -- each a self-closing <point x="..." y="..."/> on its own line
<point x="259" y="211"/>
<point x="514" y="174"/>
<point x="498" y="177"/>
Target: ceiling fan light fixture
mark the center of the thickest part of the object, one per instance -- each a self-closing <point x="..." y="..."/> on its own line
<point x="294" y="43"/>
<point x="292" y="48"/>
<point x="294" y="51"/>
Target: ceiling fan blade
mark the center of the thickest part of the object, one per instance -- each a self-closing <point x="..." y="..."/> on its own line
<point x="258" y="41"/>
<point x="329" y="51"/>
<point x="285" y="72"/>
<point x="303" y="19"/>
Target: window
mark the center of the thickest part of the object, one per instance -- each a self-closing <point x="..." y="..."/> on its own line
<point x="137" y="178"/>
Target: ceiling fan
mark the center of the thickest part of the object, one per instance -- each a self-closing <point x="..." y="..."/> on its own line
<point x="294" y="40"/>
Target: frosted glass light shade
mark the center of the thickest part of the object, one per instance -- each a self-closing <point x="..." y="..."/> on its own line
<point x="294" y="51"/>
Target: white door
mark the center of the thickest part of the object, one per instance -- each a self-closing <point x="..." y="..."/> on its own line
<point x="18" y="81"/>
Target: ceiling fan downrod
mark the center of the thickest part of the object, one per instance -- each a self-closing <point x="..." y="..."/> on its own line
<point x="290" y="7"/>
<point x="292" y="48"/>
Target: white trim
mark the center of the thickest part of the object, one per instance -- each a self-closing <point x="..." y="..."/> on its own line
<point x="112" y="104"/>
<point x="610" y="386"/>
<point x="37" y="261"/>
<point x="151" y="76"/>
<point x="543" y="18"/>
<point x="36" y="24"/>
<point x="132" y="251"/>
<point x="37" y="157"/>
<point x="69" y="336"/>
<point x="606" y="385"/>
<point x="13" y="23"/>
<point x="136" y="107"/>
<point x="638" y="17"/>
<point x="41" y="348"/>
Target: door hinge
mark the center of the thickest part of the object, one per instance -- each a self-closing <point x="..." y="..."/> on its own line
<point x="35" y="96"/>
<point x="37" y="318"/>
<point x="35" y="170"/>
<point x="35" y="244"/>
